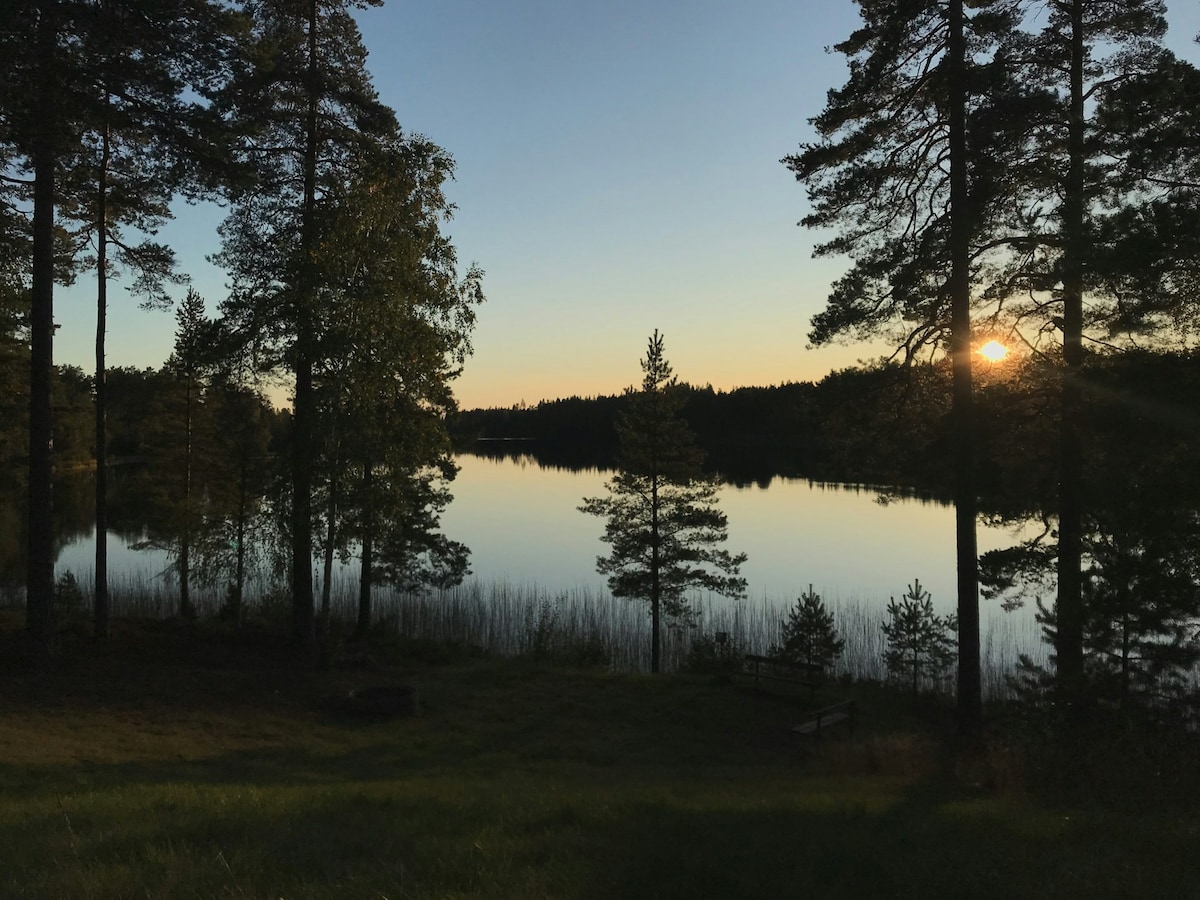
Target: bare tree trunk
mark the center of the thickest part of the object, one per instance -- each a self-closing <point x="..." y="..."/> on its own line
<point x="239" y="577"/>
<point x="1126" y="649"/>
<point x="330" y="535"/>
<point x="1069" y="614"/>
<point x="303" y="409"/>
<point x="655" y="583"/>
<point x="970" y="702"/>
<point x="100" y="600"/>
<point x="368" y="555"/>
<point x="185" y="597"/>
<point x="39" y="609"/>
<point x="330" y="528"/>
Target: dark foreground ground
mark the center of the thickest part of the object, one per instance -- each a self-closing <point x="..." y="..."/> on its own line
<point x="178" y="761"/>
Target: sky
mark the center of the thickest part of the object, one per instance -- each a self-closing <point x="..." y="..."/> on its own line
<point x="618" y="171"/>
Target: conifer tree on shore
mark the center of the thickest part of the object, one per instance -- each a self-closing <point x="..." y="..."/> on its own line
<point x="663" y="522"/>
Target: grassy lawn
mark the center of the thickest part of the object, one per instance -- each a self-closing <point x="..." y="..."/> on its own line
<point x="169" y="764"/>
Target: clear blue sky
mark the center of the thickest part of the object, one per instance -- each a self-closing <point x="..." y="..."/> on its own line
<point x="617" y="171"/>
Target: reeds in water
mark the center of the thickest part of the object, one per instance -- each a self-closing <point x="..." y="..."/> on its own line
<point x="581" y="624"/>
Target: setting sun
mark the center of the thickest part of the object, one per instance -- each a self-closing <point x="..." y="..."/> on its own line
<point x="993" y="351"/>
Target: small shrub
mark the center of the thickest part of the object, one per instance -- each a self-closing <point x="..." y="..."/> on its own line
<point x="275" y="606"/>
<point x="707" y="656"/>
<point x="920" y="644"/>
<point x="68" y="597"/>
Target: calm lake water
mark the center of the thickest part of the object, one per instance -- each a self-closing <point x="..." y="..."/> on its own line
<point x="520" y="520"/>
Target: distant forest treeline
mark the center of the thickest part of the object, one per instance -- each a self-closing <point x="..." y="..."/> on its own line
<point x="751" y="432"/>
<point x="888" y="424"/>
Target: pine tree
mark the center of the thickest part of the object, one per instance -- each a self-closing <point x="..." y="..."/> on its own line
<point x="910" y="169"/>
<point x="809" y="634"/>
<point x="919" y="644"/>
<point x="663" y="522"/>
<point x="140" y="143"/>
<point x="233" y="539"/>
<point x="35" y="130"/>
<point x="307" y="108"/>
<point x="394" y="335"/>
<point x="190" y="363"/>
<point x="1067" y="185"/>
<point x="1141" y="606"/>
<point x="1076" y="27"/>
<point x="76" y="76"/>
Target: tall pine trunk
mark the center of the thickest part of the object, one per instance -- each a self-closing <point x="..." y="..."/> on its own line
<point x="185" y="544"/>
<point x="970" y="703"/>
<point x="303" y="411"/>
<point x="330" y="525"/>
<point x="655" y="582"/>
<point x="330" y="536"/>
<point x="368" y="554"/>
<point x="39" y="612"/>
<point x="100" y="599"/>
<point x="1069" y="613"/>
<point x="239" y="577"/>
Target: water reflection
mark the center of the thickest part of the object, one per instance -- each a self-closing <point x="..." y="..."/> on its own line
<point x="74" y="528"/>
<point x="519" y="515"/>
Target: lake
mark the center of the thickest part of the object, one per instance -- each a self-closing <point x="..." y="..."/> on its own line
<point x="856" y="546"/>
<point x="521" y="522"/>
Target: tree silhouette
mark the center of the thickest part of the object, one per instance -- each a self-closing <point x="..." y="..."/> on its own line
<point x="909" y="168"/>
<point x="233" y="538"/>
<point x="663" y="522"/>
<point x="140" y="143"/>
<point x="80" y="79"/>
<point x="1086" y="48"/>
<point x="395" y="332"/>
<point x="36" y="115"/>
<point x="919" y="643"/>
<point x="305" y="103"/>
<point x="809" y="634"/>
<point x="190" y="364"/>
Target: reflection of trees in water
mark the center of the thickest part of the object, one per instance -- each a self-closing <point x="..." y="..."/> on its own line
<point x="135" y="502"/>
<point x="74" y="500"/>
<point x="1140" y="530"/>
<point x="72" y="513"/>
<point x="1142" y="534"/>
<point x="1141" y="594"/>
<point x="133" y="516"/>
<point x="565" y="456"/>
<point x="733" y="463"/>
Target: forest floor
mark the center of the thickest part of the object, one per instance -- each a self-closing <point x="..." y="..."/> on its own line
<point x="179" y="761"/>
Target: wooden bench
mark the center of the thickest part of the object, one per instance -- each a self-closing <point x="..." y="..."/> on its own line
<point x="826" y="718"/>
<point x="808" y="674"/>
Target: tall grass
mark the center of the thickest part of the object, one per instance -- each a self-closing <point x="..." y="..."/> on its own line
<point x="145" y="595"/>
<point x="511" y="619"/>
